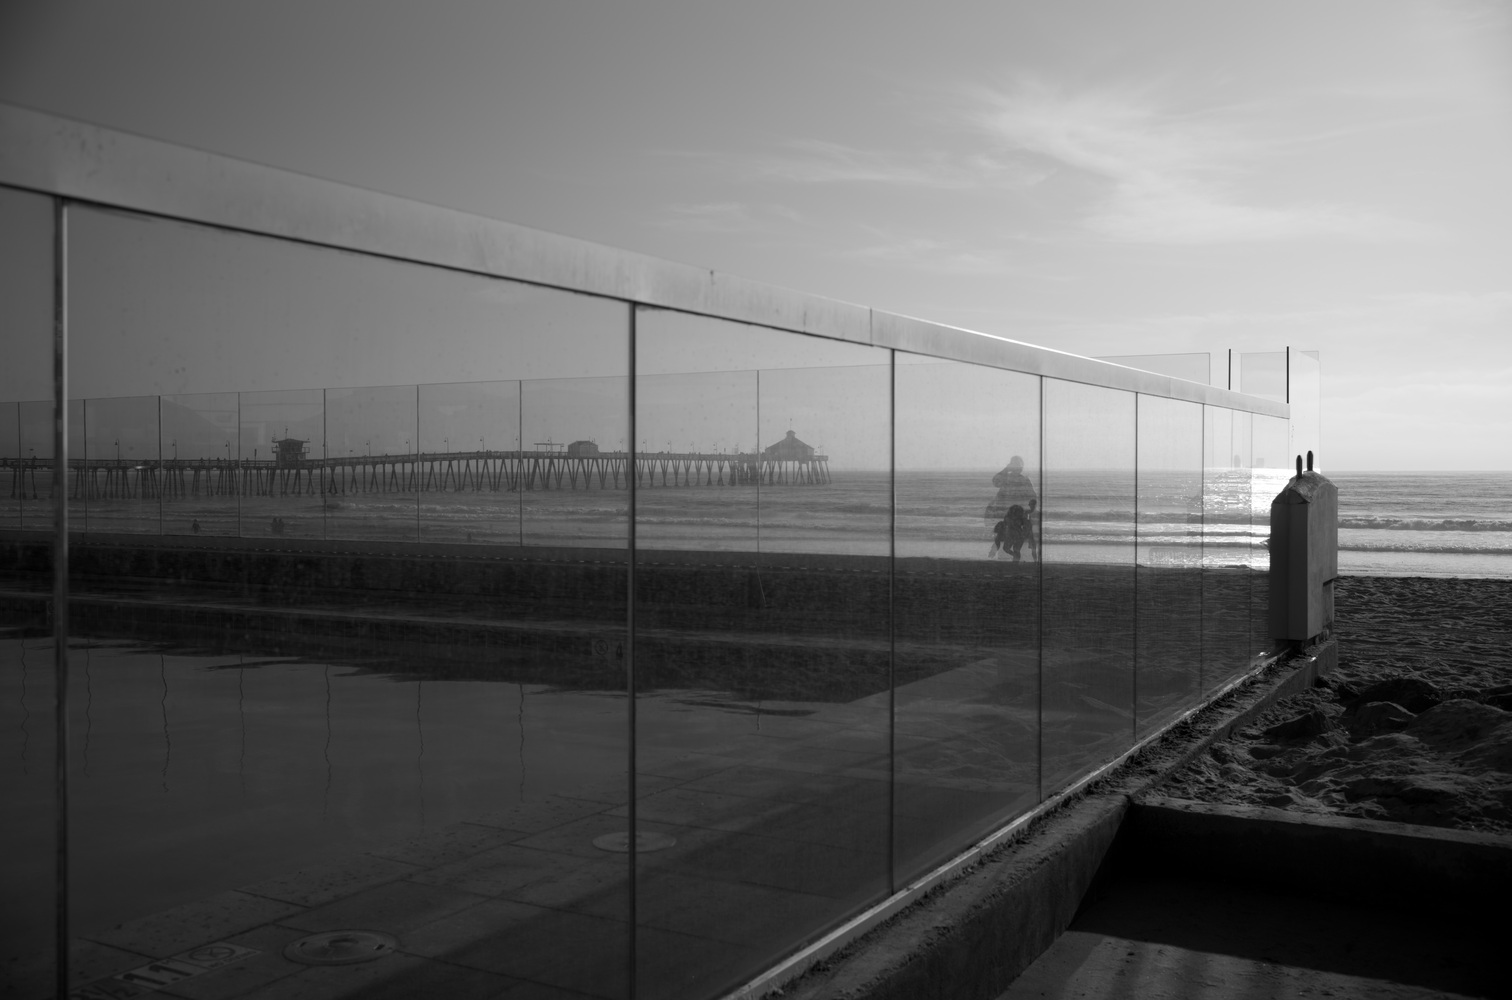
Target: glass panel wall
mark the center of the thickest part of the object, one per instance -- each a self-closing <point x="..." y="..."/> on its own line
<point x="1087" y="658"/>
<point x="200" y="492"/>
<point x="1304" y="381"/>
<point x="1228" y="546"/>
<point x="1273" y="467"/>
<point x="317" y="719"/>
<point x="28" y="775"/>
<point x="762" y="644"/>
<point x="966" y="605"/>
<point x="352" y="620"/>
<point x="1168" y="580"/>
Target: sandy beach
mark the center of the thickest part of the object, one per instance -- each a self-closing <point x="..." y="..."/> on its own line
<point x="1413" y="727"/>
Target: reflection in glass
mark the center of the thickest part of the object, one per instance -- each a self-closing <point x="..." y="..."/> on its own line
<point x="761" y="676"/>
<point x="370" y="486"/>
<point x="28" y="778"/>
<point x="476" y="425"/>
<point x="1087" y="661"/>
<point x="117" y="477"/>
<point x="1168" y="581"/>
<point x="353" y="698"/>
<point x="201" y="495"/>
<point x="35" y="450"/>
<point x="1273" y="467"/>
<point x="966" y="605"/>
<point x="1228" y="545"/>
<point x="574" y="435"/>
<point x="277" y="463"/>
<point x="12" y="469"/>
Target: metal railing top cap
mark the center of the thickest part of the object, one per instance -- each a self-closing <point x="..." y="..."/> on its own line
<point x="61" y="157"/>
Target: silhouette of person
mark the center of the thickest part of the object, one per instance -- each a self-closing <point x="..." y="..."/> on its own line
<point x="195" y="526"/>
<point x="1010" y="514"/>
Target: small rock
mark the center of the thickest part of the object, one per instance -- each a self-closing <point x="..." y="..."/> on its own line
<point x="1379" y="717"/>
<point x="1412" y="693"/>
<point x="1303" y="727"/>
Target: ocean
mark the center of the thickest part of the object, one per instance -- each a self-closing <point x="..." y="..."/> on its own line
<point x="1456" y="524"/>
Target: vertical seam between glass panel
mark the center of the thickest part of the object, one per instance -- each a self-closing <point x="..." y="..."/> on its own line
<point x="892" y="647"/>
<point x="1039" y="693"/>
<point x="236" y="487"/>
<point x="520" y="444"/>
<point x="60" y="589"/>
<point x="1202" y="565"/>
<point x="1134" y="650"/>
<point x="629" y="656"/>
<point x="325" y="454"/>
<point x="162" y="475"/>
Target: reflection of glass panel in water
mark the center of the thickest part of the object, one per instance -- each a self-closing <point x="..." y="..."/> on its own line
<point x="762" y="679"/>
<point x="1227" y="545"/>
<point x="278" y="466"/>
<point x="480" y="498"/>
<point x="200" y="495"/>
<point x="967" y="613"/>
<point x="369" y="434"/>
<point x="1169" y="574"/>
<point x="117" y="480"/>
<point x="573" y="474"/>
<point x="1088" y="651"/>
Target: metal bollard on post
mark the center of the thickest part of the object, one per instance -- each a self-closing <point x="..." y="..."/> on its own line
<point x="1304" y="556"/>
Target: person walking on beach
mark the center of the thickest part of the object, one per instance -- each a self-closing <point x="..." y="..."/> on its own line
<point x="1010" y="514"/>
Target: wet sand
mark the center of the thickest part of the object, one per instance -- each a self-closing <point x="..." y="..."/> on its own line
<point x="1413" y="727"/>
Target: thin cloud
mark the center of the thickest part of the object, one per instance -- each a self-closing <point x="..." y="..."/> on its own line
<point x="817" y="162"/>
<point x="1171" y="176"/>
<point x="925" y="254"/>
<point x="726" y="217"/>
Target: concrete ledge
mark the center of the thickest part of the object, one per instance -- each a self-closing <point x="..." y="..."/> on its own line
<point x="972" y="936"/>
<point x="1334" y="857"/>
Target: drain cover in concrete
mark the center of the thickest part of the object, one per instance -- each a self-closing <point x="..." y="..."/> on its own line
<point x="340" y="947"/>
<point x="645" y="843"/>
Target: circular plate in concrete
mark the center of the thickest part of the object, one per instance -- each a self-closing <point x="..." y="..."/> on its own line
<point x="340" y="947"/>
<point x="645" y="843"/>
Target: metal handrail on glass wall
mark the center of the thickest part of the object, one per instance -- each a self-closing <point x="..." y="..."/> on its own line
<point x="784" y="602"/>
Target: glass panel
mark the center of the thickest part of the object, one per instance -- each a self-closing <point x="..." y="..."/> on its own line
<point x="311" y="716"/>
<point x="200" y="494"/>
<point x="574" y="434"/>
<point x="480" y="422"/>
<point x="28" y="776"/>
<point x="1227" y="545"/>
<point x="966" y="603"/>
<point x="1168" y="583"/>
<point x="1273" y="467"/>
<point x="277" y="464"/>
<point x="1305" y="396"/>
<point x="1196" y="367"/>
<point x="762" y="645"/>
<point x="1261" y="373"/>
<point x="36" y="454"/>
<point x="1087" y="659"/>
<point x="116" y="477"/>
<point x="370" y="480"/>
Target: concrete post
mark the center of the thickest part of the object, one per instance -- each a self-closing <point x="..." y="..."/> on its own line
<point x="1304" y="555"/>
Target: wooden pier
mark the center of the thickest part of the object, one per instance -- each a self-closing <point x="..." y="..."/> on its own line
<point x="458" y="472"/>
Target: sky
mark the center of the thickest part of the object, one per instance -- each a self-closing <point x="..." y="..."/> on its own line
<point x="1105" y="178"/>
